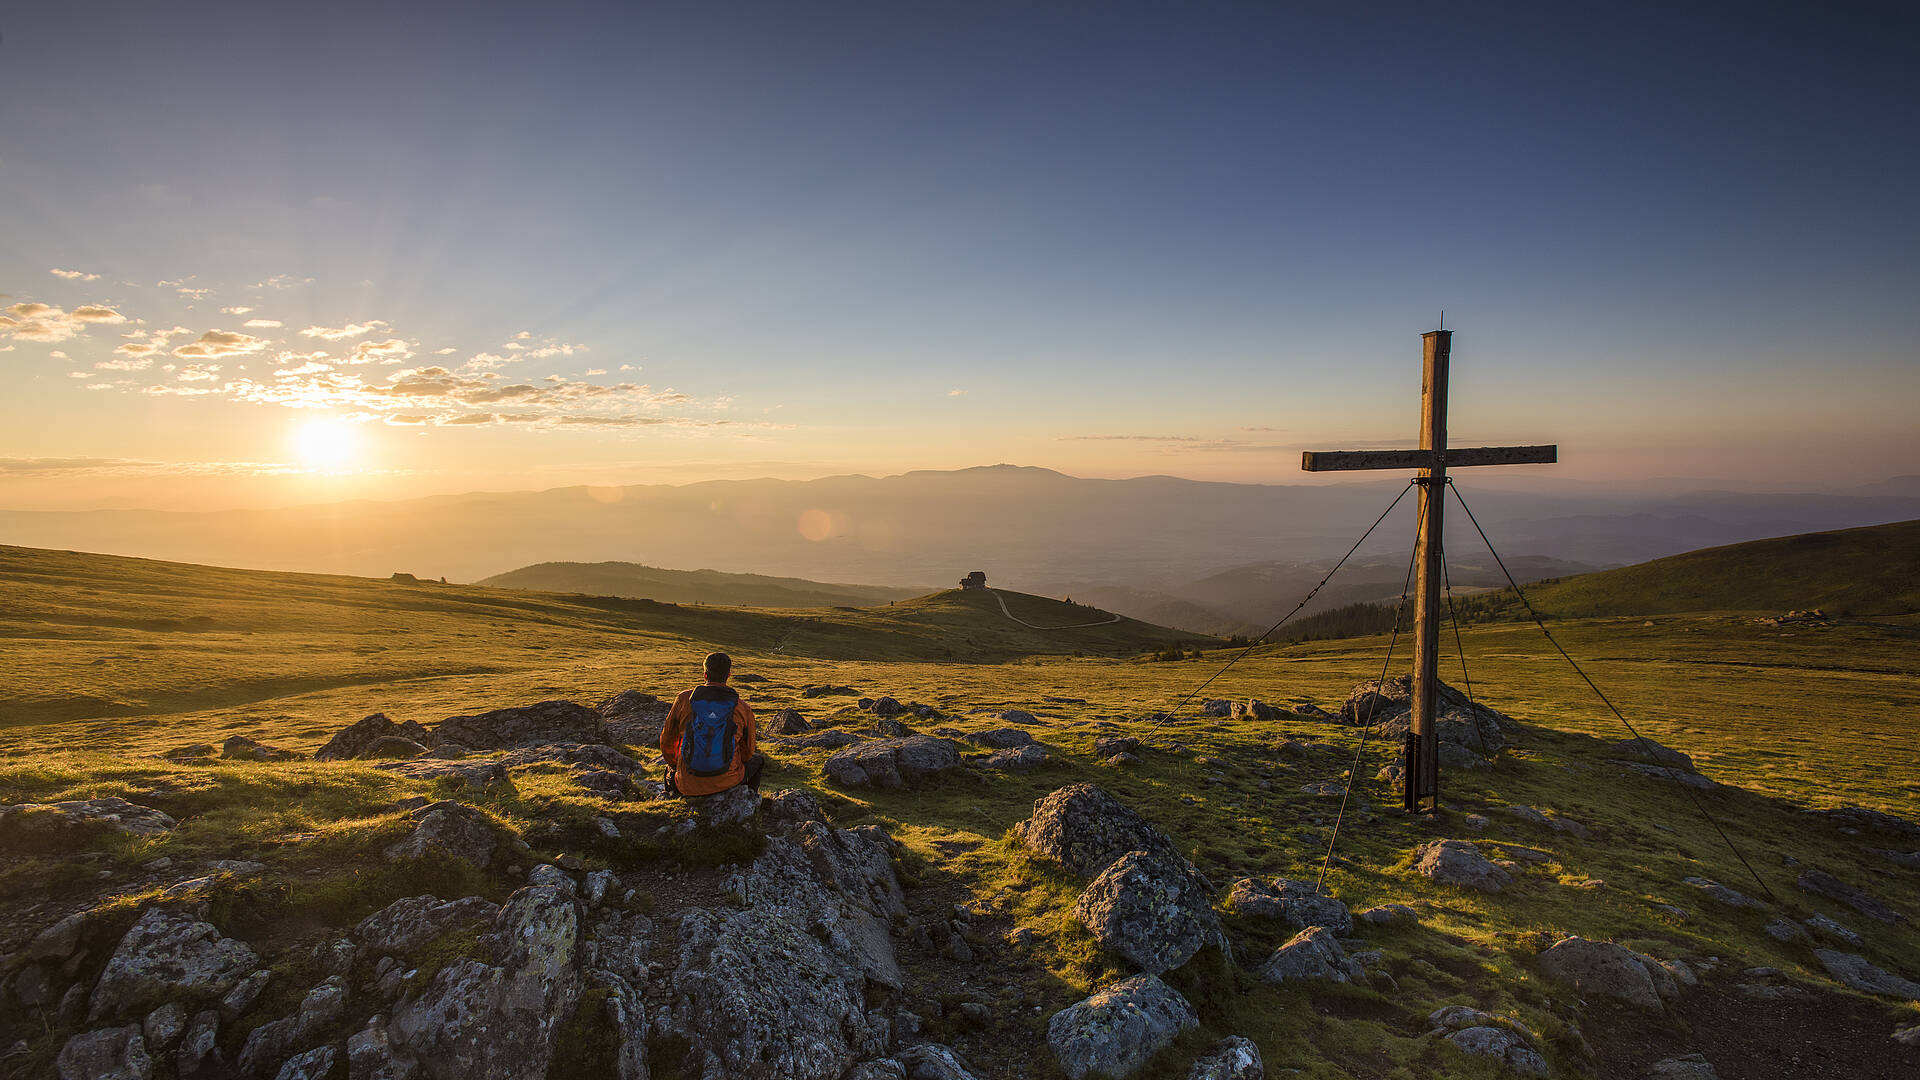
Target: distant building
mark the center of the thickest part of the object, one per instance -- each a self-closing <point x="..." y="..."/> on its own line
<point x="975" y="580"/>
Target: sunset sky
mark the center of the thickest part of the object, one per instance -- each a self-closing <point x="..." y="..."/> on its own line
<point x="264" y="253"/>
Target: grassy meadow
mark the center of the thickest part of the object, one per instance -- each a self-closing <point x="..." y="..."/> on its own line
<point x="113" y="662"/>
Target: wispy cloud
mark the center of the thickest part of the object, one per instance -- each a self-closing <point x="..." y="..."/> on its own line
<point x="260" y="324"/>
<point x="341" y="333"/>
<point x="236" y="310"/>
<point x="221" y="343"/>
<point x="281" y="281"/>
<point x="75" y="275"/>
<point x="31" y="320"/>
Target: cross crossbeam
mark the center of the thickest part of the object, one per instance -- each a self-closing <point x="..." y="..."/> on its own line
<point x="1433" y="459"/>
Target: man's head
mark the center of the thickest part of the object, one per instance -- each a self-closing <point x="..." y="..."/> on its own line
<point x="719" y="667"/>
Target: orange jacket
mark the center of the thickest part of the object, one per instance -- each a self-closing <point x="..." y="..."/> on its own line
<point x="743" y="745"/>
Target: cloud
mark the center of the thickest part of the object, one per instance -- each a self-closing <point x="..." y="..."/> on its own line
<point x="43" y="466"/>
<point x="341" y="333"/>
<point x="194" y="292"/>
<point x="31" y="320"/>
<point x="523" y="335"/>
<point x="592" y="371"/>
<point x="956" y="393"/>
<point x="96" y="313"/>
<point x="443" y="352"/>
<point x="75" y="275"/>
<point x="281" y="281"/>
<point x="468" y="418"/>
<point x="199" y="373"/>
<point x="236" y="310"/>
<point x="629" y="367"/>
<point x="58" y="355"/>
<point x="259" y="324"/>
<point x="390" y="351"/>
<point x="79" y="374"/>
<point x="137" y="348"/>
<point x="221" y="343"/>
<point x="131" y="364"/>
<point x="483" y="361"/>
<point x="554" y="349"/>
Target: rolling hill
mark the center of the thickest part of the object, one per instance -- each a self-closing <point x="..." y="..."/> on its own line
<point x="692" y="586"/>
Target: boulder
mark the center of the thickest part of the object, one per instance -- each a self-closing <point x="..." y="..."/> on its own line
<point x="893" y="763"/>
<point x="1724" y="895"/>
<point x="1255" y="710"/>
<point x="448" y="829"/>
<point x="1232" y="1058"/>
<point x="827" y="740"/>
<point x="1294" y="902"/>
<point x="1018" y="759"/>
<point x="1389" y="915"/>
<point x="168" y="957"/>
<point x="389" y="747"/>
<point x="56" y="825"/>
<point x="314" y="1064"/>
<point x="410" y="922"/>
<point x="1603" y="969"/>
<point x="1151" y="908"/>
<point x="931" y="1061"/>
<point x="1313" y="953"/>
<point x="1108" y="745"/>
<point x="1001" y="738"/>
<point x="1017" y="716"/>
<point x="793" y="804"/>
<point x="1648" y="750"/>
<point x="1825" y="884"/>
<point x="1502" y="1045"/>
<point x="837" y="884"/>
<point x="1085" y="829"/>
<point x="886" y="706"/>
<point x="163" y="1026"/>
<point x="734" y="806"/>
<point x="108" y="1054"/>
<point x="199" y="1046"/>
<point x="1655" y="771"/>
<point x="1833" y="931"/>
<point x="530" y="725"/>
<point x="1470" y="725"/>
<point x="581" y="757"/>
<point x="1687" y="1067"/>
<point x="1854" y="972"/>
<point x="825" y="690"/>
<point x="1860" y="817"/>
<point x="634" y="718"/>
<point x="353" y="741"/>
<point x="482" y="776"/>
<point x="241" y="748"/>
<point x="1115" y="1030"/>
<point x="496" y="1018"/>
<point x="1458" y="862"/>
<point x="1216" y="707"/>
<point x="785" y="722"/>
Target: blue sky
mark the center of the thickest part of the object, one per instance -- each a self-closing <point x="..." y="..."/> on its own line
<point x="1182" y="239"/>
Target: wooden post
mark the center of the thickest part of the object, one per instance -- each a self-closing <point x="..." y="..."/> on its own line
<point x="1423" y="741"/>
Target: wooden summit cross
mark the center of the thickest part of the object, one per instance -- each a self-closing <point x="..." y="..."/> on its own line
<point x="1422" y="776"/>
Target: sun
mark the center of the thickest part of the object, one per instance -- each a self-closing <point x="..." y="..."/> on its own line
<point x="327" y="446"/>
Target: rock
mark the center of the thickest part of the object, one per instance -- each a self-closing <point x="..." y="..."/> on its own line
<point x="64" y="825"/>
<point x="1469" y="726"/>
<point x="164" y="1025"/>
<point x="410" y="922"/>
<point x="1785" y="930"/>
<point x="893" y="763"/>
<point x="57" y="942"/>
<point x="734" y="806"/>
<point x="244" y="993"/>
<point x="353" y="741"/>
<point x="1458" y="862"/>
<point x="830" y="740"/>
<point x="1389" y="914"/>
<point x="448" y="829"/>
<point x="599" y="883"/>
<point x="1325" y="789"/>
<point x="482" y="776"/>
<point x="1119" y="761"/>
<point x="1314" y="712"/>
<point x="837" y="885"/>
<point x="625" y="1015"/>
<point x="168" y="957"/>
<point x="1688" y="1067"/>
<point x="1655" y="771"/>
<point x="1457" y="1018"/>
<point x="1313" y="953"/>
<point x="200" y="1045"/>
<point x="1151" y="908"/>
<point x="312" y="1065"/>
<point x="931" y="1061"/>
<point x="1827" y="928"/>
<point x="1216" y="707"/>
<point x="1108" y="745"/>
<point x="634" y="718"/>
<point x="1115" y="1030"/>
<point x="1018" y="759"/>
<point x="1085" y="829"/>
<point x="1018" y="716"/>
<point x="1722" y="894"/>
<point x="793" y="804"/>
<point x="825" y="689"/>
<point x="1859" y="817"/>
<point x="1853" y="971"/>
<point x="1603" y="969"/>
<point x="1256" y="710"/>
<point x="1232" y="1058"/>
<point x="241" y="748"/>
<point x="1502" y="1045"/>
<point x="1909" y="1036"/>
<point x="786" y="722"/>
<point x="1648" y="750"/>
<point x="886" y="706"/>
<point x="370" y="1055"/>
<point x="107" y="1054"/>
<point x="1293" y="902"/>
<point x="1824" y="884"/>
<point x="1001" y="738"/>
<point x="1908" y="859"/>
<point x="481" y="1020"/>
<point x="393" y="747"/>
<point x="531" y="725"/>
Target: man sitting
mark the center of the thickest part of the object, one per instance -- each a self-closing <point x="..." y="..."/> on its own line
<point x="709" y="737"/>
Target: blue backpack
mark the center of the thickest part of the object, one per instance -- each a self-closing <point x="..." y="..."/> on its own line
<point x="706" y="746"/>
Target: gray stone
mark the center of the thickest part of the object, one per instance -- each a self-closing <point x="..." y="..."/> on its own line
<point x="1854" y="972"/>
<point x="1389" y="914"/>
<point x="353" y="740"/>
<point x="886" y="706"/>
<point x="164" y="1025"/>
<point x="1085" y="829"/>
<point x="474" y="775"/>
<point x="553" y="877"/>
<point x="1151" y="908"/>
<point x="1001" y="738"/>
<point x="370" y="1056"/>
<point x="481" y="1020"/>
<point x="1603" y="969"/>
<point x="1827" y="928"/>
<point x="199" y="1047"/>
<point x="1825" y="884"/>
<point x="241" y="998"/>
<point x="314" y="1064"/>
<point x="1115" y="1030"/>
<point x="793" y="804"/>
<point x="1502" y="1045"/>
<point x="168" y="957"/>
<point x="1313" y="953"/>
<point x="1216" y="707"/>
<point x="931" y="1061"/>
<point x="410" y="922"/>
<point x="1255" y="710"/>
<point x="1908" y="1036"/>
<point x="1232" y="1058"/>
<point x="448" y="829"/>
<point x="893" y="763"/>
<point x="598" y="883"/>
<point x="1458" y="862"/>
<point x="837" y="885"/>
<point x="786" y="722"/>
<point x="530" y="725"/>
<point x="30" y="824"/>
<point x="734" y="806"/>
<point x="1018" y="716"/>
<point x="1785" y="930"/>
<point x="1686" y="1067"/>
<point x="1018" y="759"/>
<point x="634" y="718"/>
<point x="1108" y="745"/>
<point x="57" y="942"/>
<point x="1293" y="902"/>
<point x="107" y="1054"/>
<point x="1859" y="817"/>
<point x="268" y="1045"/>
<point x="625" y="1015"/>
<point x="1725" y="895"/>
<point x="241" y="748"/>
<point x="1648" y="750"/>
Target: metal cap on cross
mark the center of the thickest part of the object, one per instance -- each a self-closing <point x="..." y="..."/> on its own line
<point x="1422" y="772"/>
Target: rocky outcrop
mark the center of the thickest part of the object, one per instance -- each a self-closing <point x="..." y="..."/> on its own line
<point x="1648" y="750"/>
<point x="1152" y="908"/>
<point x="1460" y="723"/>
<point x="1085" y="829"/>
<point x="893" y="763"/>
<point x="530" y="725"/>
<point x="1114" y="1031"/>
<point x="1017" y="759"/>
<point x="1855" y="972"/>
<point x="578" y="756"/>
<point x="1108" y="745"/>
<point x="1603" y="969"/>
<point x="634" y="718"/>
<point x="448" y="829"/>
<point x="1314" y="953"/>
<point x="1295" y="903"/>
<point x="496" y="1018"/>
<point x="1005" y="738"/>
<point x="1725" y="895"/>
<point x="354" y="740"/>
<point x="1458" y="862"/>
<point x="1824" y="884"/>
<point x="278" y="1042"/>
<point x="410" y="922"/>
<point x="1862" y="818"/>
<point x="107" y="1054"/>
<point x="1232" y="1058"/>
<point x="168" y="957"/>
<point x="1480" y="1034"/>
<point x="827" y="740"/>
<point x="1252" y="709"/>
<point x="25" y="826"/>
<point x="481" y="776"/>
<point x="837" y="883"/>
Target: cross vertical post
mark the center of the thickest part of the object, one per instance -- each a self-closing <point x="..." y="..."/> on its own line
<point x="1423" y="741"/>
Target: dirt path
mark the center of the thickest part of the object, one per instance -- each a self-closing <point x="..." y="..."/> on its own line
<point x="1037" y="626"/>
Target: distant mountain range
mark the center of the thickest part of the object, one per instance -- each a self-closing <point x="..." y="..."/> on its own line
<point x="693" y="586"/>
<point x="1158" y="538"/>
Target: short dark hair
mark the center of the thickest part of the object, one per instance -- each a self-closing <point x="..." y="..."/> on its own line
<point x="719" y="666"/>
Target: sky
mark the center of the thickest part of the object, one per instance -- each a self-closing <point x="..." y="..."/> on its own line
<point x="257" y="254"/>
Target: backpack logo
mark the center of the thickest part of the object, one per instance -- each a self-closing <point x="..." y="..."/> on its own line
<point x="706" y="746"/>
